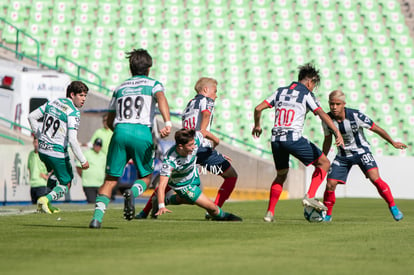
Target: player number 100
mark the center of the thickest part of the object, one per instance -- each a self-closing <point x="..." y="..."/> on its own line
<point x="284" y="117"/>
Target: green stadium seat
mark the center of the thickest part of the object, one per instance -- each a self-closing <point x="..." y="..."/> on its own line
<point x="347" y="4"/>
<point x="389" y="5"/>
<point x="64" y="6"/>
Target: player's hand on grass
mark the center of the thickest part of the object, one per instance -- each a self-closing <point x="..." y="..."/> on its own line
<point x="162" y="211"/>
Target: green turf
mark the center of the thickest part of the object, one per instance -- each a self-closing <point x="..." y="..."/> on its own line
<point x="362" y="239"/>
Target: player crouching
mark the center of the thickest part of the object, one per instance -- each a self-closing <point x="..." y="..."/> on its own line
<point x="180" y="172"/>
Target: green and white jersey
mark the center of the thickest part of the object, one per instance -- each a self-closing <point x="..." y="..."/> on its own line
<point x="59" y="116"/>
<point x="181" y="170"/>
<point x="134" y="101"/>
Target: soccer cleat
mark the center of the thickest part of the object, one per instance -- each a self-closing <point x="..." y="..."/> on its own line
<point x="328" y="218"/>
<point x="269" y="217"/>
<point x="313" y="202"/>
<point x="207" y="216"/>
<point x="141" y="215"/>
<point x="228" y="217"/>
<point x="129" y="205"/>
<point x="154" y="209"/>
<point x="95" y="224"/>
<point x="396" y="213"/>
<point x="43" y="205"/>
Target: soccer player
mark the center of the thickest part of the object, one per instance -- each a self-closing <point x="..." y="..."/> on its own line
<point x="61" y="119"/>
<point x="179" y="171"/>
<point x="356" y="151"/>
<point x="198" y="115"/>
<point x="131" y="114"/>
<point x="291" y="106"/>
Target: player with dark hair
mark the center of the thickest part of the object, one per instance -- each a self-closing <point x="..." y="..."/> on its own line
<point x="179" y="171"/>
<point x="291" y="106"/>
<point x="132" y="111"/>
<point x="61" y="119"/>
<point x="356" y="151"/>
<point x="198" y="115"/>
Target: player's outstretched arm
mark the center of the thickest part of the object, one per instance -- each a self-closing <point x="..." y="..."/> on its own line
<point x="165" y="112"/>
<point x="327" y="142"/>
<point x="161" y="196"/>
<point x="33" y="121"/>
<point x="382" y="133"/>
<point x="257" y="129"/>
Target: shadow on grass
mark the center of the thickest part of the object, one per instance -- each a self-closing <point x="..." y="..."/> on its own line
<point x="69" y="226"/>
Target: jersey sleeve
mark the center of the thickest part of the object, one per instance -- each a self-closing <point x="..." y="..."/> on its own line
<point x="364" y="121"/>
<point x="312" y="103"/>
<point x="158" y="87"/>
<point x="208" y="106"/>
<point x="199" y="138"/>
<point x="271" y="100"/>
<point x="74" y="120"/>
<point x="167" y="167"/>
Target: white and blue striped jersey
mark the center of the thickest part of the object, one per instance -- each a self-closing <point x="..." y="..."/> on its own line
<point x="291" y="103"/>
<point x="192" y="115"/>
<point x="352" y="132"/>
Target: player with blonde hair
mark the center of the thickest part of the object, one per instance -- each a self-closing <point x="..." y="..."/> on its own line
<point x="356" y="151"/>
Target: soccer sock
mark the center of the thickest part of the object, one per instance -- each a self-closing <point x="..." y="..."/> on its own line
<point x="138" y="188"/>
<point x="317" y="178"/>
<point x="57" y="192"/>
<point x="148" y="206"/>
<point x="225" y="191"/>
<point x="52" y="182"/>
<point x="221" y="214"/>
<point x="102" y="202"/>
<point x="329" y="201"/>
<point x="384" y="191"/>
<point x="274" y="196"/>
<point x="172" y="200"/>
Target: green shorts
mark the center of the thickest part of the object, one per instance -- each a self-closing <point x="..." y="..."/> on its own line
<point x="190" y="192"/>
<point x="61" y="168"/>
<point x="130" y="141"/>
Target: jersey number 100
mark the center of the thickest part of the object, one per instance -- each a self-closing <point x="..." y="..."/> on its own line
<point x="284" y="117"/>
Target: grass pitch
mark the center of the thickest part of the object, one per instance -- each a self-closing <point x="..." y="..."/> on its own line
<point x="362" y="239"/>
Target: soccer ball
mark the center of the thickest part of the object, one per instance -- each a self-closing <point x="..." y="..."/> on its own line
<point x="313" y="215"/>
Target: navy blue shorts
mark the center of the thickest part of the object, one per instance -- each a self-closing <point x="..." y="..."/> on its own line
<point x="341" y="166"/>
<point x="211" y="160"/>
<point x="302" y="149"/>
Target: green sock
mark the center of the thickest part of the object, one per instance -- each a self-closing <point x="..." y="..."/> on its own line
<point x="57" y="192"/>
<point x="221" y="213"/>
<point x="138" y="188"/>
<point x="102" y="202"/>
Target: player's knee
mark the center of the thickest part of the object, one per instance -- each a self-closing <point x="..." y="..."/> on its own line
<point x="230" y="173"/>
<point x="331" y="185"/>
